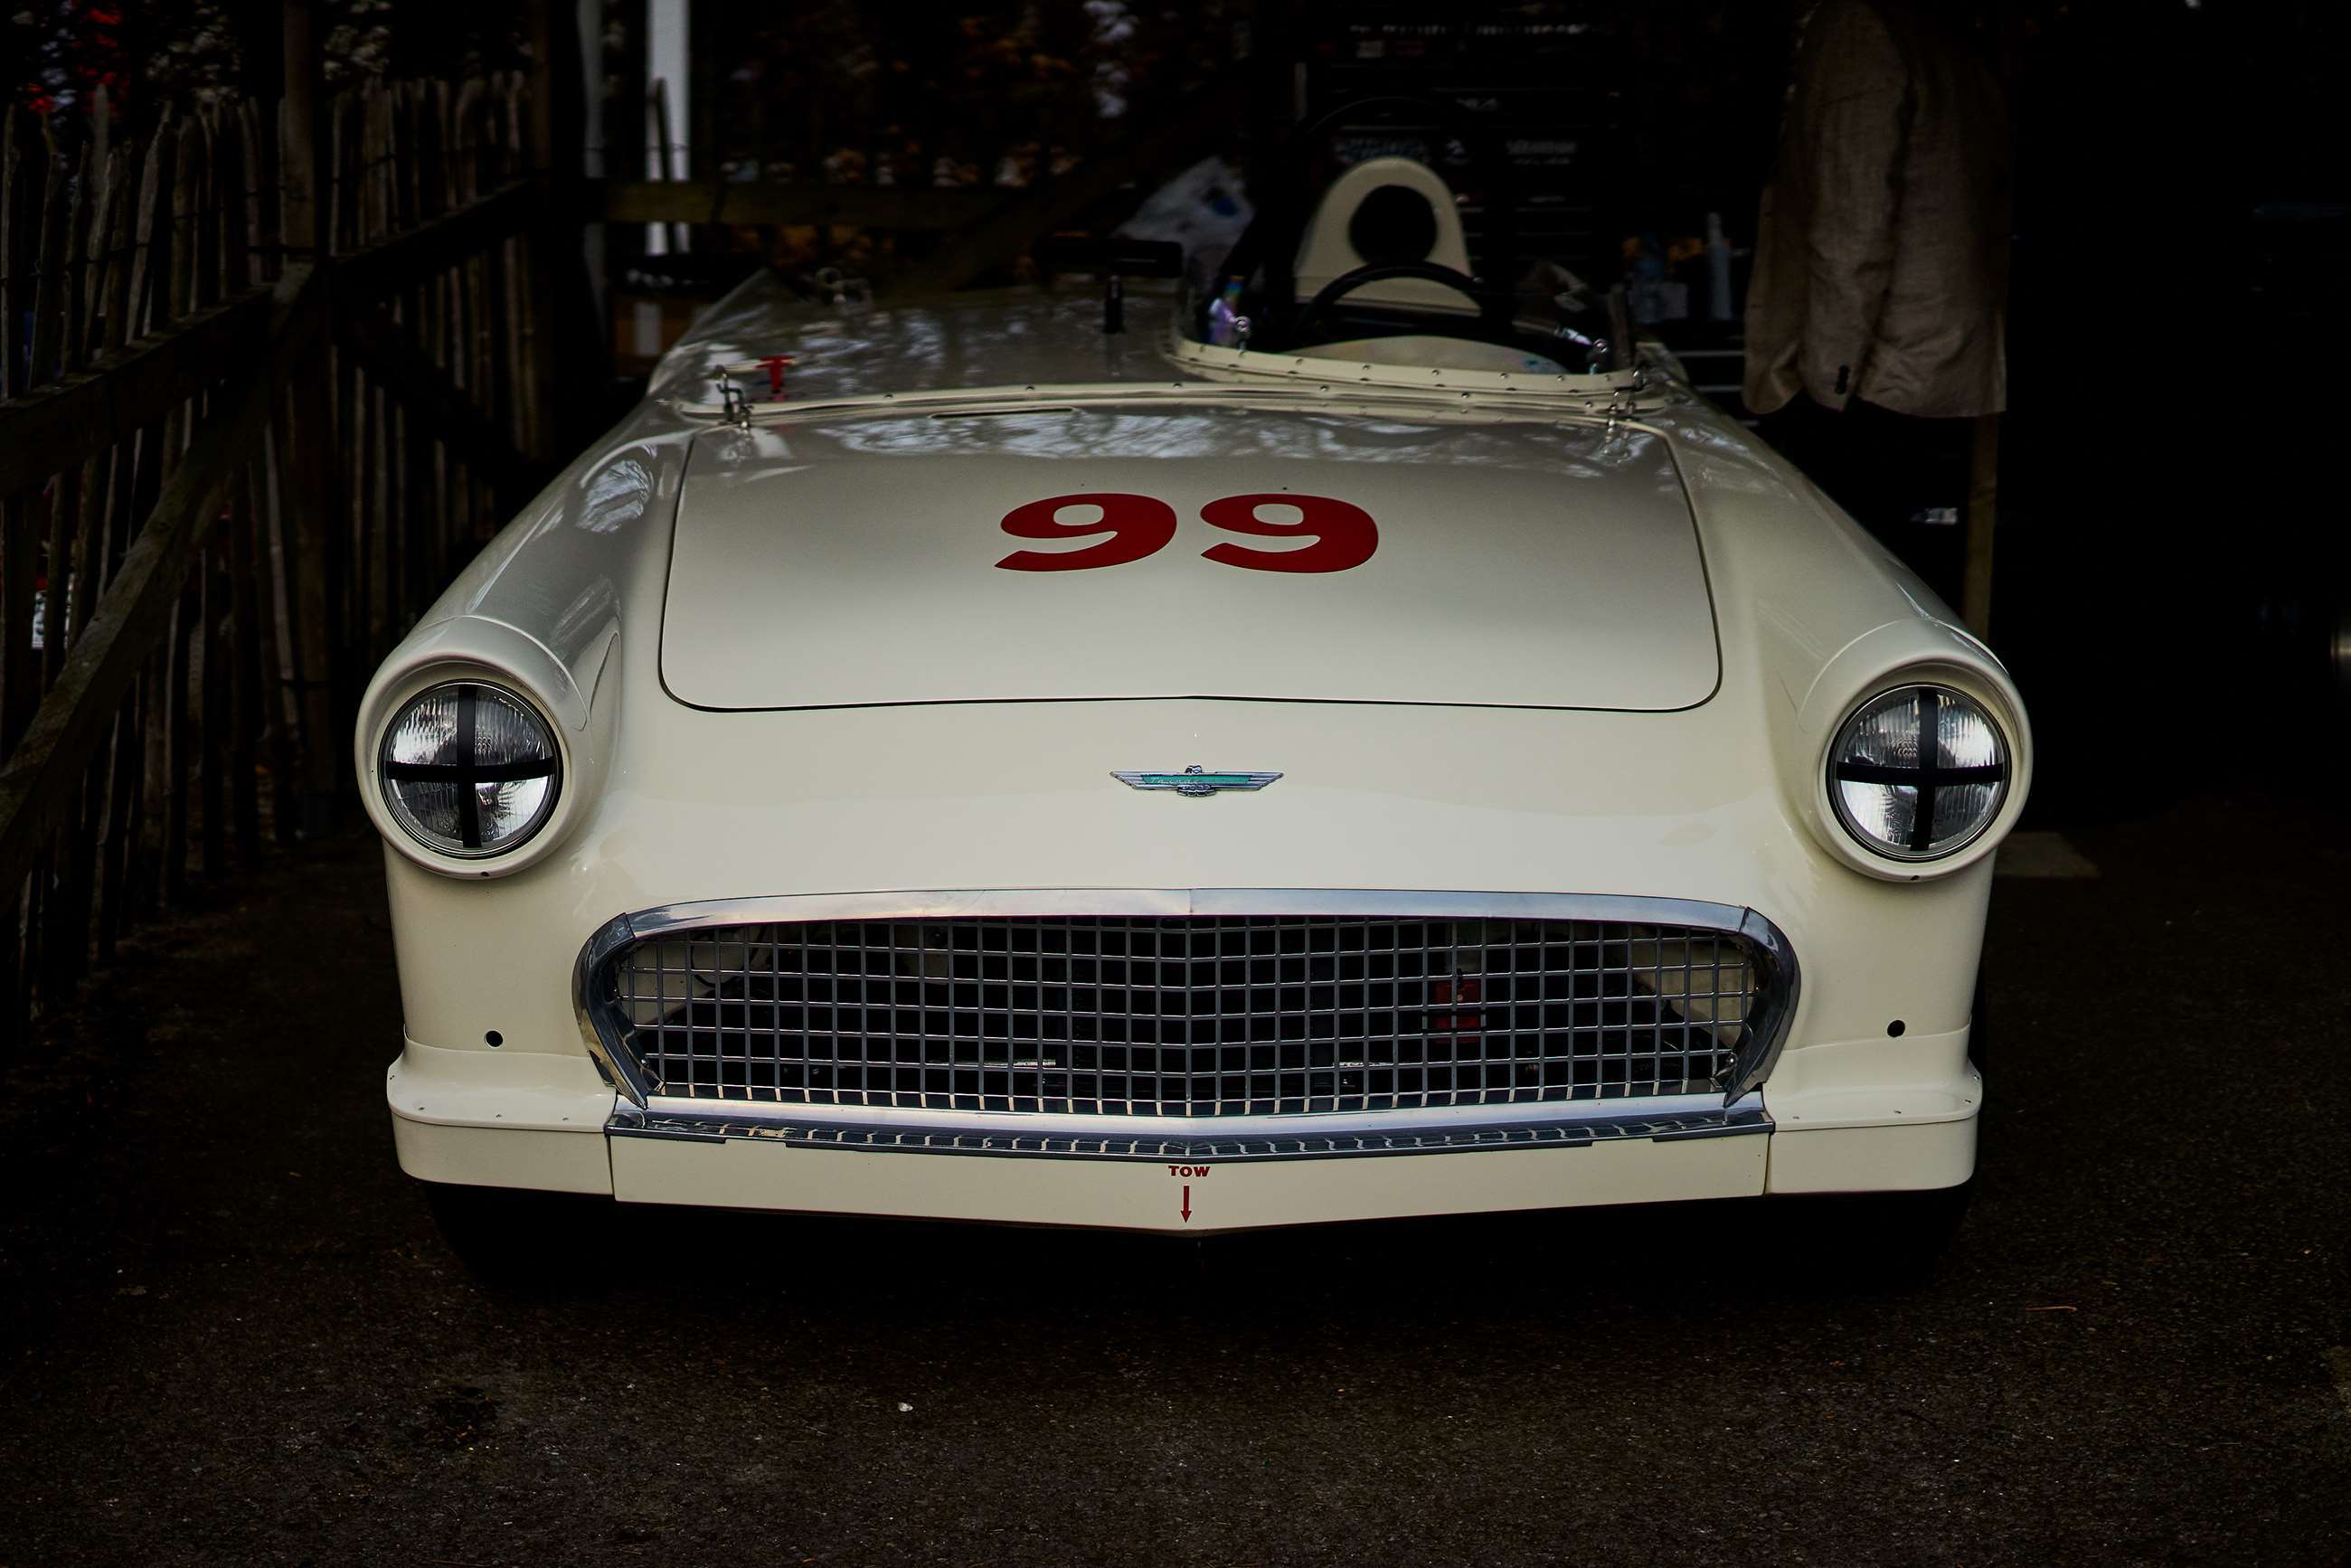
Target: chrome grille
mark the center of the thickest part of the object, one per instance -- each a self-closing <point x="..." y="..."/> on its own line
<point x="1182" y="1016"/>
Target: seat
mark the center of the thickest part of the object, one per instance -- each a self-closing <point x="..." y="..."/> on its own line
<point x="1381" y="210"/>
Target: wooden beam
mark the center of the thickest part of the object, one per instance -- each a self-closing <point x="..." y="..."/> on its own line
<point x="124" y="390"/>
<point x="759" y="205"/>
<point x="42" y="780"/>
<point x="557" y="128"/>
<point x="570" y="349"/>
<point x="302" y="440"/>
<point x="376" y="271"/>
<point x="391" y="356"/>
<point x="302" y="129"/>
<point x="665" y="146"/>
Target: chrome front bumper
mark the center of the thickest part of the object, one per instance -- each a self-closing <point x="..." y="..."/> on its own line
<point x="1857" y="1115"/>
<point x="545" y="1121"/>
<point x="1158" y="1139"/>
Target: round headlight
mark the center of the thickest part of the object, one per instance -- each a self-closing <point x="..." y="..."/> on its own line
<point x="1918" y="773"/>
<point x="470" y="769"/>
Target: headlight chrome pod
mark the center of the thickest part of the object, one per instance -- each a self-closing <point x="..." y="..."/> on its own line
<point x="1918" y="773"/>
<point x="469" y="769"/>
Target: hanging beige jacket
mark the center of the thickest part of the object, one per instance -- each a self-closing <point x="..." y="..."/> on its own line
<point x="1881" y="257"/>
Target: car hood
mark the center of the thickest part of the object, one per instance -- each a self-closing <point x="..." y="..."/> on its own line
<point x="861" y="562"/>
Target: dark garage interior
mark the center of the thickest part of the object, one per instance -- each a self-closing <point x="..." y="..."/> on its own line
<point x="300" y="304"/>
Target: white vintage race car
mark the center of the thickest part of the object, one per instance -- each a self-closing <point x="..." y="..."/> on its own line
<point x="1277" y="763"/>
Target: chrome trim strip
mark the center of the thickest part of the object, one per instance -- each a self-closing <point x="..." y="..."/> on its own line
<point x="947" y="904"/>
<point x="1767" y="1031"/>
<point x="1660" y="1119"/>
<point x="611" y="1054"/>
<point x="1089" y="1125"/>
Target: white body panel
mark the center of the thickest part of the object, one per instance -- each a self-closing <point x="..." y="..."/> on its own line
<point x="1133" y="1196"/>
<point x="790" y="555"/>
<point x="1742" y="611"/>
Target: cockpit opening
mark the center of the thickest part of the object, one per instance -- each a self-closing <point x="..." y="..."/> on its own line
<point x="1377" y="266"/>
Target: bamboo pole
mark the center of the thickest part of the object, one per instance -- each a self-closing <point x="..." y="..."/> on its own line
<point x="1982" y="515"/>
<point x="305" y="429"/>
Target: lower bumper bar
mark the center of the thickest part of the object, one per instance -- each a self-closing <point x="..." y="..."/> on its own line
<point x="1285" y="1138"/>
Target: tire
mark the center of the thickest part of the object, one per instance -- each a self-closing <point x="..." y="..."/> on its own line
<point x="510" y="1240"/>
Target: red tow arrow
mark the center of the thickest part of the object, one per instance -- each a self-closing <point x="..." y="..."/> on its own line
<point x="1187" y="1203"/>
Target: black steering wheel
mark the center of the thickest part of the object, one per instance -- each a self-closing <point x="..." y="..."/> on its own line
<point x="1494" y="308"/>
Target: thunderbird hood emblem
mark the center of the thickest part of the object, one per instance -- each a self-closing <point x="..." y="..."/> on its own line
<point x="1197" y="781"/>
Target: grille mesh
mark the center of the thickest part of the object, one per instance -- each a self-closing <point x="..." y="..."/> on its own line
<point x="1183" y="1015"/>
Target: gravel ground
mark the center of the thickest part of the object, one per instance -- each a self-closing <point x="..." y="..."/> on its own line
<point x="229" y="1333"/>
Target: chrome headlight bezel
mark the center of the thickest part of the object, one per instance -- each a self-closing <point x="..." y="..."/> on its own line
<point x="390" y="772"/>
<point x="1928" y="776"/>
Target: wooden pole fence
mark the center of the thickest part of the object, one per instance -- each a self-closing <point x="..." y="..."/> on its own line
<point x="135" y="610"/>
<point x="260" y="398"/>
